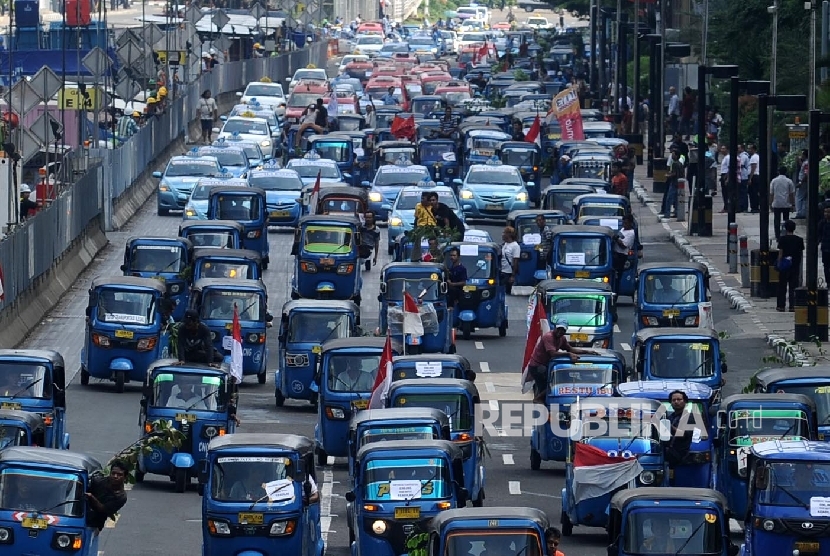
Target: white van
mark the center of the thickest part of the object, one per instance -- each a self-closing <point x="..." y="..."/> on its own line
<point x="478" y="13"/>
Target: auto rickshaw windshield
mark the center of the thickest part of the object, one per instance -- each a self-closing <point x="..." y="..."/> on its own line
<point x="276" y="183"/>
<point x="795" y="483"/>
<point x="408" y="200"/>
<point x="426" y="106"/>
<point x="578" y="310"/>
<point x="583" y="251"/>
<point x="215" y="269"/>
<point x="432" y="152"/>
<point x="219" y="240"/>
<point x="494" y="541"/>
<point x="748" y="427"/>
<point x="342" y="206"/>
<point x="188" y="391"/>
<point x="238" y="207"/>
<point x="126" y="307"/>
<point x="601" y="210"/>
<point x="590" y="171"/>
<point x="396" y="433"/>
<point x="456" y="97"/>
<point x="402" y="479"/>
<point x="395" y="156"/>
<point x="352" y="373"/>
<point x="671" y="288"/>
<point x="22" y="490"/>
<point x="456" y="406"/>
<point x="480" y="266"/>
<point x="219" y="305"/>
<point x="24" y="380"/>
<point x="528" y="231"/>
<point x="581" y="376"/>
<point x="819" y="393"/>
<point x="156" y="258"/>
<point x="423" y="288"/>
<point x="328" y="240"/>
<point x="670" y="532"/>
<point x="317" y="327"/>
<point x="682" y="359"/>
<point x="563" y="201"/>
<point x="339" y="152"/>
<point x="242" y="479"/>
<point x="12" y="436"/>
<point x="521" y="158"/>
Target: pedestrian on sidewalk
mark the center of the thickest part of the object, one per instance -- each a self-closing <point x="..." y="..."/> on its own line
<point x="801" y="187"/>
<point x="669" y="206"/>
<point x="781" y="198"/>
<point x="790" y="252"/>
<point x="724" y="178"/>
<point x="824" y="241"/>
<point x="754" y="188"/>
<point x="743" y="180"/>
<point x="674" y="110"/>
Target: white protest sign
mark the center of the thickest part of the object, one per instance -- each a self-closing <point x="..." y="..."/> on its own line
<point x="469" y="250"/>
<point x="404" y="490"/>
<point x="425" y="369"/>
<point x="575" y="258"/>
<point x="612" y="223"/>
<point x="280" y="490"/>
<point x="227" y="343"/>
<point x="819" y="506"/>
<point x="532" y="239"/>
<point x="743" y="454"/>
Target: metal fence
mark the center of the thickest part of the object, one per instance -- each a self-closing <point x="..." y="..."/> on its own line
<point x="31" y="250"/>
<point x="350" y="9"/>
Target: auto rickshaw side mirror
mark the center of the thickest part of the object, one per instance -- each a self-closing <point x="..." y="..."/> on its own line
<point x="123" y="267"/>
<point x="443" y="288"/>
<point x="307" y="490"/>
<point x="463" y="496"/>
<point x="203" y="471"/>
<point x="531" y="184"/>
<point x="350" y="497"/>
<point x="269" y="317"/>
<point x="665" y="430"/>
<point x="439" y="183"/>
<point x="88" y="311"/>
<point x="382" y="288"/>
<point x="157" y="175"/>
<point x="347" y="175"/>
<point x="143" y="403"/>
<point x="734" y="549"/>
<point x="458" y="182"/>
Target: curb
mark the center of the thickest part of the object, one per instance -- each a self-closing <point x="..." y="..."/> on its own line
<point x="735" y="297"/>
<point x="791" y="353"/>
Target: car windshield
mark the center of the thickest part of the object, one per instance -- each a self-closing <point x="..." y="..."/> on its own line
<point x="494" y="542"/>
<point x="751" y="426"/>
<point x="670" y="289"/>
<point x="60" y="494"/>
<point x="156" y="258"/>
<point x="401" y="479"/>
<point x="489" y="177"/>
<point x="297" y="100"/>
<point x="396" y="176"/>
<point x="581" y="380"/>
<point x="241" y="208"/>
<point x="184" y="168"/>
<point x="219" y="305"/>
<point x="201" y="193"/>
<point x="683" y="359"/>
<point x="126" y="307"/>
<point x="339" y="151"/>
<point x="248" y="127"/>
<point x="415" y="286"/>
<point x="389" y="433"/>
<point x="456" y="406"/>
<point x="673" y="532"/>
<point x="819" y="392"/>
<point x="582" y="251"/>
<point x="24" y="380"/>
<point x="253" y="478"/>
<point x="795" y="484"/>
<point x="219" y="269"/>
<point x="578" y="309"/>
<point x="252" y="151"/>
<point x="330" y="240"/>
<point x="319" y="75"/>
<point x="456" y="97"/>
<point x="326" y="171"/>
<point x="254" y="90"/>
<point x="276" y="183"/>
<point x="317" y="328"/>
<point x="473" y="37"/>
<point x="519" y="157"/>
<point x="219" y="240"/>
<point x="408" y="200"/>
<point x="369" y="40"/>
<point x="188" y="391"/>
<point x="354" y="372"/>
<point x="231" y="158"/>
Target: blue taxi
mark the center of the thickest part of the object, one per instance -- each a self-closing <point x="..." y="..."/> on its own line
<point x="197" y="205"/>
<point x="252" y="149"/>
<point x="389" y="181"/>
<point x="492" y="190"/>
<point x="282" y="188"/>
<point x="180" y="177"/>
<point x="311" y="165"/>
<point x="402" y="215"/>
<point x="230" y="156"/>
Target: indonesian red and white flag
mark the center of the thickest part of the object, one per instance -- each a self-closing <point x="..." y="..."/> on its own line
<point x="537" y="327"/>
<point x="236" y="347"/>
<point x="596" y="473"/>
<point x="2" y="291"/>
<point x="534" y="132"/>
<point x="412" y="323"/>
<point x="380" y="390"/>
<point x="315" y="194"/>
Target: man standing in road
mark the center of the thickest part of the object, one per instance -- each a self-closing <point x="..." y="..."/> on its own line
<point x="781" y="197"/>
<point x="195" y="344"/>
<point x="208" y="113"/>
<point x="678" y="447"/>
<point x="106" y="495"/>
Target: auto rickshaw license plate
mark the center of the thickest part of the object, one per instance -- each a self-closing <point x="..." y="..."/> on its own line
<point x="35" y="523"/>
<point x="407" y="512"/>
<point x="126" y="334"/>
<point x="280" y="214"/>
<point x="583" y="274"/>
<point x="327" y="262"/>
<point x="810" y="547"/>
<point x="184" y="417"/>
<point x="469" y="288"/>
<point x="671" y="312"/>
<point x="360" y="404"/>
<point x="247" y="518"/>
<point x="10" y="405"/>
<point x="579" y="337"/>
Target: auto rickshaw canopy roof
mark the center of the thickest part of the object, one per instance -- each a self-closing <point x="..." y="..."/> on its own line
<point x="291" y="442"/>
<point x="760" y="399"/>
<point x="435" y="384"/>
<point x="593" y="183"/>
<point x="330" y="305"/>
<point x="647" y="334"/>
<point x="770" y="376"/>
<point x="52" y="356"/>
<point x="582" y="286"/>
<point x="669" y="268"/>
<point x="413" y="267"/>
<point x="394" y="447"/>
<point x="365" y="342"/>
<point x="495" y="247"/>
<point x="789" y="450"/>
<point x="679" y="494"/>
<point x="527" y="213"/>
<point x="51" y="457"/>
<point x="129" y="282"/>
<point x="172" y="365"/>
<point x="330" y="220"/>
<point x="608" y="353"/>
<point x="489" y="513"/>
<point x="30" y="419"/>
<point x="230" y="284"/>
<point x="520" y="145"/>
<point x="151" y="240"/>
<point x="212" y="224"/>
<point x="695" y="390"/>
<point x="570" y="188"/>
<point x="402" y="413"/>
<point x="343" y="191"/>
<point x="582" y="230"/>
<point x="434" y="357"/>
<point x="204" y="252"/>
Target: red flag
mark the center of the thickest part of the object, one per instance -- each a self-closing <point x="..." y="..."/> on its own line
<point x="534" y="132"/>
<point x="412" y="323"/>
<point x="236" y="346"/>
<point x="383" y="380"/>
<point x="404" y="98"/>
<point x="537" y="327"/>
<point x="403" y="128"/>
<point x="315" y="194"/>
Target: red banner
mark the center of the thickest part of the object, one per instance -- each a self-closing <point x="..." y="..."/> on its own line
<point x="565" y="107"/>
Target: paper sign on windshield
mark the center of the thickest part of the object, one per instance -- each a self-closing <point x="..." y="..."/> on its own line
<point x="575" y="258"/>
<point x="819" y="506"/>
<point x="427" y="370"/>
<point x="227" y="343"/>
<point x="696" y="434"/>
<point x="532" y="239"/>
<point x="280" y="490"/>
<point x="469" y="250"/>
<point x="743" y="453"/>
<point x="122" y="317"/>
<point x="404" y="490"/>
<point x="612" y="223"/>
<point x="449" y="157"/>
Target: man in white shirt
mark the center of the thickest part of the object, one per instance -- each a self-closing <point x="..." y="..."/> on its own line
<point x="623" y="244"/>
<point x="674" y="110"/>
<point x="743" y="180"/>
<point x="781" y="198"/>
<point x="724" y="177"/>
<point x="754" y="179"/>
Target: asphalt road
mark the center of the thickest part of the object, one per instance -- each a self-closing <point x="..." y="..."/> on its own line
<point x="158" y="521"/>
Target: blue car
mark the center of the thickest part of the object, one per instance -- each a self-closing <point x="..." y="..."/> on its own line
<point x="389" y="181"/>
<point x="402" y="215"/>
<point x="282" y="189"/>
<point x="311" y="164"/>
<point x="231" y="157"/>
<point x="197" y="205"/>
<point x="425" y="44"/>
<point x="180" y="177"/>
<point x="492" y="191"/>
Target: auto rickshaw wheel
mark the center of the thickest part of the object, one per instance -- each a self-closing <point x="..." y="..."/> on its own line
<point x="84" y="376"/>
<point x="322" y="457"/>
<point x="120" y="379"/>
<point x="466" y="329"/>
<point x="261" y="377"/>
<point x="535" y="459"/>
<point x="139" y="475"/>
<point x="181" y="480"/>
<point x="503" y="328"/>
<point x="567" y="526"/>
<point x="280" y="399"/>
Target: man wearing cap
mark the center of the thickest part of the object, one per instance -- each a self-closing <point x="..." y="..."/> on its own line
<point x="259" y="51"/>
<point x="27" y="206"/>
<point x="195" y="344"/>
<point x="551" y="344"/>
<point x="321" y="121"/>
<point x="127" y="125"/>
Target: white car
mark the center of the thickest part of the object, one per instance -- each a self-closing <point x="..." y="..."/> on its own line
<point x="253" y="129"/>
<point x="306" y="73"/>
<point x="348" y="58"/>
<point x="368" y="45"/>
<point x="470" y="39"/>
<point x="266" y="94"/>
<point x="537" y="23"/>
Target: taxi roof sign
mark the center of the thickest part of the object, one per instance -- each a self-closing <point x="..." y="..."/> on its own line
<point x="494" y="162"/>
<point x="312" y="155"/>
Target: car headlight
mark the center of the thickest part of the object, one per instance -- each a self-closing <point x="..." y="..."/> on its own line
<point x="279" y="528"/>
<point x="466" y="194"/>
<point x="265" y="143"/>
<point x="395" y="221"/>
<point x="521" y="196"/>
<point x="647" y="477"/>
<point x="375" y="197"/>
<point x="189" y="212"/>
<point x="164" y="187"/>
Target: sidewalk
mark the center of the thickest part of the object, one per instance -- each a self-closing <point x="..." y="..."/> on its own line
<point x="777" y="328"/>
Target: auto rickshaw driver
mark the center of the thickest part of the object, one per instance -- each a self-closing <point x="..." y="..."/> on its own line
<point x="353" y="379"/>
<point x="189" y="396"/>
<point x="660" y="540"/>
<point x="195" y="344"/>
<point x="9" y="383"/>
<point x="667" y="293"/>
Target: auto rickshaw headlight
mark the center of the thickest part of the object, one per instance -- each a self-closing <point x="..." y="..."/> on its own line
<point x="253" y="338"/>
<point x="650" y="321"/>
<point x="6" y="536"/>
<point x="279" y="528"/>
<point x="63" y="541"/>
<point x="219" y="527"/>
<point x="213" y="336"/>
<point x="379" y="527"/>
<point x="485" y="294"/>
<point x="146" y="344"/>
<point x="601" y="344"/>
<point x="100" y="340"/>
<point x="692" y="321"/>
<point x="450" y="171"/>
<point x="254" y="234"/>
<point x="647" y="477"/>
<point x="375" y="197"/>
<point x="769" y="525"/>
<point x="210" y="432"/>
<point x="395" y="221"/>
<point x="345" y="268"/>
<point x="335" y="413"/>
<point x="307" y="267"/>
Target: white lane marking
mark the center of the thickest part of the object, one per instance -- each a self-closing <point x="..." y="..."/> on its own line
<point x="625" y="346"/>
<point x="329" y="460"/>
<point x="490" y="387"/>
<point x="514" y="487"/>
<point x="484" y="366"/>
<point x="325" y="504"/>
<point x="479" y="345"/>
<point x="508" y="459"/>
<point x="545" y="495"/>
<point x="617" y="329"/>
<point x="494" y="405"/>
<point x="101" y="552"/>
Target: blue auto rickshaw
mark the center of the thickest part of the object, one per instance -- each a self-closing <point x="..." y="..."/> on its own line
<point x="199" y="401"/>
<point x="743" y="420"/>
<point x="530" y="239"/>
<point x="168" y="259"/>
<point x="458" y="399"/>
<point x="669" y="294"/>
<point x="697" y="469"/>
<point x="788" y="481"/>
<point x="659" y="520"/>
<point x="399" y="486"/>
<point x="209" y="262"/>
<point x="426" y="284"/>
<point x="56" y="481"/>
<point x="219" y="234"/>
<point x="346" y="374"/>
<point x="338" y="148"/>
<point x="561" y="197"/>
<point x="326" y="258"/>
<point x="583" y="252"/>
<point x="34" y="381"/>
<point x="22" y="428"/>
<point x="527" y="157"/>
<point x="246" y="205"/>
<point x="434" y="365"/>
<point x="601" y="205"/>
<point x="218" y="300"/>
<point x="593" y="376"/>
<point x="588" y="307"/>
<point x="440" y="158"/>
<point x="629" y="432"/>
<point x="813" y="382"/>
<point x="479" y="145"/>
<point x="258" y="498"/>
<point x="125" y="329"/>
<point x="688" y="354"/>
<point x="482" y="303"/>
<point x="495" y="530"/>
<point x="305" y="325"/>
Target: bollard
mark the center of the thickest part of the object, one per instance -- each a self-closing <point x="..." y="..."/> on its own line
<point x="681" y="199"/>
<point x="659" y="171"/>
<point x="743" y="244"/>
<point x="810" y="315"/>
<point x="756" y="261"/>
<point x="732" y="248"/>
